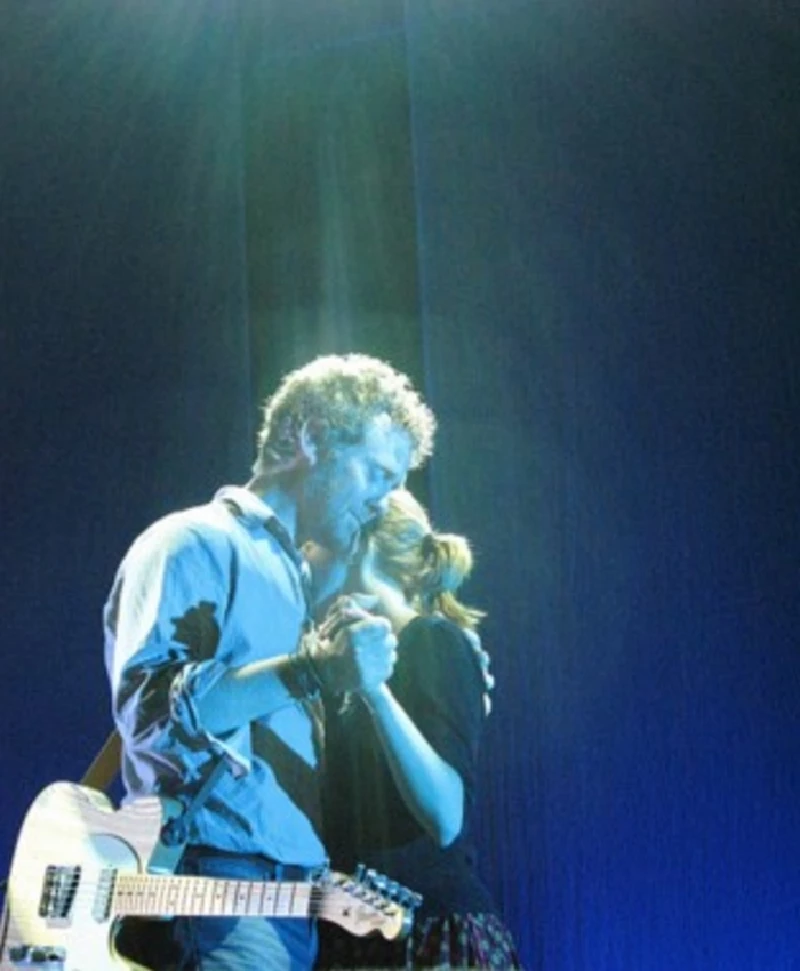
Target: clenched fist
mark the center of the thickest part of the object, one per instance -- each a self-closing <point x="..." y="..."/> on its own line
<point x="356" y="651"/>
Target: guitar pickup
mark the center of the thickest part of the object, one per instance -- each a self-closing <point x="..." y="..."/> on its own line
<point x="58" y="891"/>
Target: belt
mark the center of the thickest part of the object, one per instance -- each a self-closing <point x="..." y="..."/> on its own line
<point x="262" y="866"/>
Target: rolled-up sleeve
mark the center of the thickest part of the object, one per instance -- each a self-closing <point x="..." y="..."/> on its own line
<point x="166" y="646"/>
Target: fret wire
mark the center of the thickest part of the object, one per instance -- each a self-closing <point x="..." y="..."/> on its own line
<point x="200" y="894"/>
<point x="171" y="895"/>
<point x="237" y="898"/>
<point x="219" y="898"/>
<point x="249" y="906"/>
<point x="149" y="890"/>
<point x="184" y="892"/>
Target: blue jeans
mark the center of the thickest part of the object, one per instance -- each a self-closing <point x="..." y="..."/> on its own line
<point x="242" y="944"/>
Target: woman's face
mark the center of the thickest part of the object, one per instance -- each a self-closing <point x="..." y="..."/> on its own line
<point x="365" y="577"/>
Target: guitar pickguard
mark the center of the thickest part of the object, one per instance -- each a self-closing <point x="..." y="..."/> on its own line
<point x="70" y="840"/>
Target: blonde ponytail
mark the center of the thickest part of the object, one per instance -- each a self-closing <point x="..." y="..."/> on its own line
<point x="430" y="567"/>
<point x="447" y="567"/>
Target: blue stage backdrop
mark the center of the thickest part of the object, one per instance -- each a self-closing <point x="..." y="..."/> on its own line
<point x="125" y="353"/>
<point x="576" y="224"/>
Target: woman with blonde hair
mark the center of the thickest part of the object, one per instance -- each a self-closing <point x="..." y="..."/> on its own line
<point x="401" y="758"/>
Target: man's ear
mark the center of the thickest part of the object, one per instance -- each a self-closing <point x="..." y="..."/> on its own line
<point x="307" y="441"/>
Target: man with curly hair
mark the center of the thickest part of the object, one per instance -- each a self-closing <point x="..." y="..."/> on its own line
<point x="212" y="661"/>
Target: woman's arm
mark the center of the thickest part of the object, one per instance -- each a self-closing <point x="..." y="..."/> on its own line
<point x="431" y="788"/>
<point x="441" y="715"/>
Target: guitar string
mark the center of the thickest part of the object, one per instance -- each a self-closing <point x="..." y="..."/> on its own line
<point x="314" y="900"/>
<point x="312" y="907"/>
<point x="158" y="880"/>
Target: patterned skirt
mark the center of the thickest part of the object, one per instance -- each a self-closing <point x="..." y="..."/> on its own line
<point x="455" y="941"/>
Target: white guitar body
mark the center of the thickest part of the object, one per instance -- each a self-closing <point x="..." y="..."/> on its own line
<point x="80" y="866"/>
<point x="69" y="826"/>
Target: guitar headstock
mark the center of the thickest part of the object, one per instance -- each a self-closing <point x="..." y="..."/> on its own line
<point x="367" y="903"/>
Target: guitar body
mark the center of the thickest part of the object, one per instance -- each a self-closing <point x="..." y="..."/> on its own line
<point x="80" y="866"/>
<point x="77" y="830"/>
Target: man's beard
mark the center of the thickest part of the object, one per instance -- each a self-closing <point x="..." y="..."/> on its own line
<point x="337" y="530"/>
<point x="338" y="533"/>
<point x="344" y="543"/>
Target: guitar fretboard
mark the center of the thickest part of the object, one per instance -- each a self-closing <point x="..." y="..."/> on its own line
<point x="143" y="895"/>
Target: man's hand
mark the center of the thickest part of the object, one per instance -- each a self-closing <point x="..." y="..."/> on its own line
<point x="355" y="651"/>
<point x="484" y="660"/>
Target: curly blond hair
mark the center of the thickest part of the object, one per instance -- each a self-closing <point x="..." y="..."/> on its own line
<point x="429" y="566"/>
<point x="337" y="396"/>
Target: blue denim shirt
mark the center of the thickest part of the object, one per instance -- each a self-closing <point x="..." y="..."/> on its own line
<point x="199" y="592"/>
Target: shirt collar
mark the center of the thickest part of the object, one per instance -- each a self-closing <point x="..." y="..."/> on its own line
<point x="253" y="511"/>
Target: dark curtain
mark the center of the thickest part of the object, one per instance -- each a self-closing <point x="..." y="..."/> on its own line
<point x="124" y="352"/>
<point x="609" y="206"/>
<point x="576" y="226"/>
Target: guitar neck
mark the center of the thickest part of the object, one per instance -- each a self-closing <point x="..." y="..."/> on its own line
<point x="76" y="869"/>
<point x="150" y="895"/>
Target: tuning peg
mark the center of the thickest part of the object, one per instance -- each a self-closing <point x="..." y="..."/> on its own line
<point x="379" y="882"/>
<point x="408" y="898"/>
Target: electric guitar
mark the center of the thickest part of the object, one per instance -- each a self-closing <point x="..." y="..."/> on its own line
<point x="79" y="867"/>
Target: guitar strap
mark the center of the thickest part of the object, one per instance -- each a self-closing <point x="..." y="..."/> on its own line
<point x="105" y="765"/>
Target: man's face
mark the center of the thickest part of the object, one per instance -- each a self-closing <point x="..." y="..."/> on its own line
<point x="345" y="490"/>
